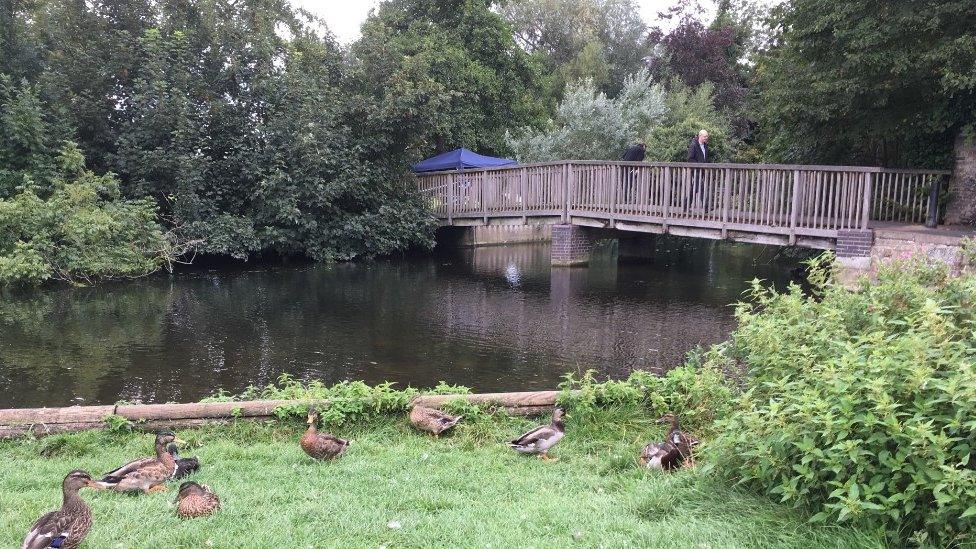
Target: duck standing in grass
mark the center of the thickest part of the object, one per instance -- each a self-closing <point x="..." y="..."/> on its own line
<point x="432" y="420"/>
<point x="542" y="438"/>
<point x="195" y="500"/>
<point x="682" y="441"/>
<point x="184" y="466"/>
<point x="321" y="445"/>
<point x="146" y="474"/>
<point x="68" y="526"/>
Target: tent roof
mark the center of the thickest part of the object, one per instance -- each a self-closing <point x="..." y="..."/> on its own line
<point x="459" y="159"/>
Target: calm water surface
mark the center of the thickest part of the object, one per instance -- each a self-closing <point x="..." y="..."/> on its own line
<point x="491" y="318"/>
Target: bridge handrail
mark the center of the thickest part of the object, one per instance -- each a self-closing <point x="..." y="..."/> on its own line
<point x="803" y="199"/>
<point x="732" y="165"/>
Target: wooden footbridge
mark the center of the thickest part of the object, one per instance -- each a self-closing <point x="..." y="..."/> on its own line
<point x="799" y="205"/>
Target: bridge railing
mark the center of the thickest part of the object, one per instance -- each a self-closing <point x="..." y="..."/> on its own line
<point x="767" y="198"/>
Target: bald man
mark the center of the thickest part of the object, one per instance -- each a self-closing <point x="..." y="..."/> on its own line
<point x="698" y="150"/>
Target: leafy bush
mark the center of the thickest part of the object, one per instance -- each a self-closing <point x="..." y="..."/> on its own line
<point x="588" y="125"/>
<point x="82" y="231"/>
<point x="862" y="405"/>
<point x="697" y="392"/>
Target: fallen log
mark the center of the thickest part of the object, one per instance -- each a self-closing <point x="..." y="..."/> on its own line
<point x="45" y="421"/>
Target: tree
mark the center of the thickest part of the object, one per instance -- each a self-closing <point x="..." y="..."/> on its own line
<point x="438" y="75"/>
<point x="890" y="83"/>
<point x="693" y="54"/>
<point x="590" y="125"/>
<point x="688" y="111"/>
<point x="237" y="119"/>
<point x="559" y="30"/>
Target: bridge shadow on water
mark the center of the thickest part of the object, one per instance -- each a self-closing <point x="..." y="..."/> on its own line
<point x="493" y="318"/>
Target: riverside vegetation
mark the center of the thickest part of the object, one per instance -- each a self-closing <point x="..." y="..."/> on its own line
<point x="849" y="423"/>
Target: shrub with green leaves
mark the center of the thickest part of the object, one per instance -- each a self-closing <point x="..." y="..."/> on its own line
<point x="862" y="404"/>
<point x="81" y="231"/>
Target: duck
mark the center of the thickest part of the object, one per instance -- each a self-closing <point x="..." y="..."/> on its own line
<point x="660" y="455"/>
<point x="195" y="500"/>
<point x="321" y="445"/>
<point x="432" y="420"/>
<point x="68" y="526"/>
<point x="683" y="442"/>
<point x="542" y="438"/>
<point x="146" y="474"/>
<point x="184" y="466"/>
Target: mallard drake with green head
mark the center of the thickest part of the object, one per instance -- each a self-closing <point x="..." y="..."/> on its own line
<point x="542" y="438"/>
<point x="68" y="526"/>
<point x="195" y="500"/>
<point x="184" y="466"/>
<point x="432" y="420"/>
<point x="321" y="445"/>
<point x="146" y="474"/>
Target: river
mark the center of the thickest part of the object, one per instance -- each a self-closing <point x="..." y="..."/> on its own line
<point x="494" y="318"/>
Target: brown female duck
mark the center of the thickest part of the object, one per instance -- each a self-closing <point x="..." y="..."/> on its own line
<point x="195" y="500"/>
<point x="146" y="474"/>
<point x="432" y="420"/>
<point x="66" y="527"/>
<point x="321" y="445"/>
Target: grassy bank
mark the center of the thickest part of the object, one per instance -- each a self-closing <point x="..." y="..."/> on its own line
<point x="465" y="490"/>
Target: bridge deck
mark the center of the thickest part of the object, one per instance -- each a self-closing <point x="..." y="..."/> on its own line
<point x="781" y="204"/>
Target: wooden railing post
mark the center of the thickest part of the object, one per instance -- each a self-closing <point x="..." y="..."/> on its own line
<point x="450" y="198"/>
<point x="667" y="198"/>
<point x="932" y="212"/>
<point x="567" y="177"/>
<point x="795" y="205"/>
<point x="726" y="198"/>
<point x="866" y="201"/>
<point x="523" y="190"/>
<point x="614" y="184"/>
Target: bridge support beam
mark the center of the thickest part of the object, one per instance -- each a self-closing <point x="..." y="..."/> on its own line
<point x="571" y="245"/>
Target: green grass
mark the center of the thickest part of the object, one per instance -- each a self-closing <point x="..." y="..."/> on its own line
<point x="464" y="490"/>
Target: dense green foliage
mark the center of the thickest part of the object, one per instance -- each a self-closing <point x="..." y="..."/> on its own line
<point x="576" y="39"/>
<point x="59" y="220"/>
<point x="439" y="75"/>
<point x="867" y="82"/>
<point x="239" y="120"/>
<point x="862" y="405"/>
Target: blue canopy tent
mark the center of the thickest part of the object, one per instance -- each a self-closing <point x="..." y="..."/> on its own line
<point x="460" y="159"/>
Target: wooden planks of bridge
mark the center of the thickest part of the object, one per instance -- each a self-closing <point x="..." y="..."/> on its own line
<point x="789" y="201"/>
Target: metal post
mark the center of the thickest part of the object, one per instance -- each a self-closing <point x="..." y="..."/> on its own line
<point x="667" y="198"/>
<point x="932" y="219"/>
<point x="794" y="205"/>
<point x="567" y="176"/>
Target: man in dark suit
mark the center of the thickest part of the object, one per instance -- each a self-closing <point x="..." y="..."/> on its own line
<point x="697" y="152"/>
<point x="635" y="153"/>
<point x="698" y="149"/>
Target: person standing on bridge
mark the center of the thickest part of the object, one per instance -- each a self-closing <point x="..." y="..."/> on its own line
<point x="698" y="149"/>
<point x="635" y="153"/>
<point x="697" y="152"/>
